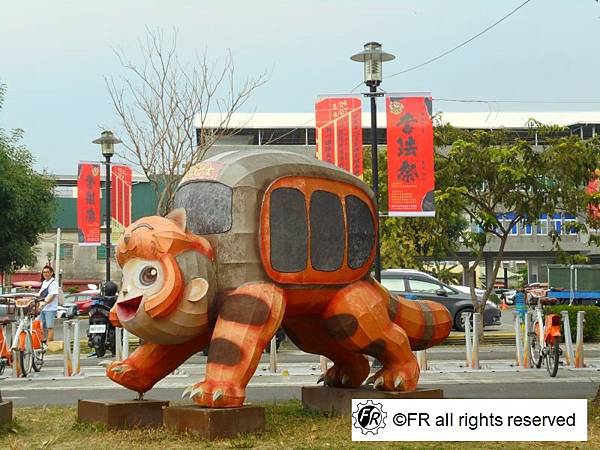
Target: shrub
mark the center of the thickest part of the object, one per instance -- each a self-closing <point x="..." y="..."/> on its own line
<point x="494" y="299"/>
<point x="591" y="325"/>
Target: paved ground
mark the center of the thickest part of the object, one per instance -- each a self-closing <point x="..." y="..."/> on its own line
<point x="499" y="378"/>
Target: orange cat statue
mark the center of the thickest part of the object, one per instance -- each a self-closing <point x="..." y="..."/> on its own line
<point x="261" y="240"/>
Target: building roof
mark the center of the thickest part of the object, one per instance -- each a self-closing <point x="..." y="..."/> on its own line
<point x="457" y="119"/>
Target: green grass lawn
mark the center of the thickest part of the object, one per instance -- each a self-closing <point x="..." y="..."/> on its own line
<point x="288" y="426"/>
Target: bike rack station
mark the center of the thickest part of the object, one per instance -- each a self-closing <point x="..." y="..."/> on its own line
<point x="573" y="359"/>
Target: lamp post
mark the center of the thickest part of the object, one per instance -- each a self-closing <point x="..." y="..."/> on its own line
<point x="107" y="141"/>
<point x="373" y="58"/>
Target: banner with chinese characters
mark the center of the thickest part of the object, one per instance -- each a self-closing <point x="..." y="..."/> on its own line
<point x="411" y="177"/>
<point x="88" y="203"/>
<point x="338" y="127"/>
<point x="120" y="199"/>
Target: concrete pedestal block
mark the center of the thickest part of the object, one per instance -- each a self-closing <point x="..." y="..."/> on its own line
<point x="332" y="400"/>
<point x="6" y="409"/>
<point x="122" y="413"/>
<point x="213" y="423"/>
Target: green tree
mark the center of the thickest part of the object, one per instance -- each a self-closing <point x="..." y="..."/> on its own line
<point x="407" y="241"/>
<point x="163" y="105"/>
<point x="27" y="201"/>
<point x="498" y="186"/>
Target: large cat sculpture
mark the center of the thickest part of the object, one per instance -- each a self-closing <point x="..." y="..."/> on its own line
<point x="260" y="240"/>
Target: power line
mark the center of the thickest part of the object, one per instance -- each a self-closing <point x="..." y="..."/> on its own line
<point x="462" y="44"/>
<point x="541" y="102"/>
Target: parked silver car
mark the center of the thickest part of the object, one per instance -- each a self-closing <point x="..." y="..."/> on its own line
<point x="423" y="286"/>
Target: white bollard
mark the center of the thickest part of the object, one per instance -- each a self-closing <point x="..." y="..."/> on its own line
<point x="468" y="340"/>
<point x="518" y="339"/>
<point x="422" y="359"/>
<point x="475" y="347"/>
<point x="71" y="354"/>
<point x="66" y="348"/>
<point x="568" y="338"/>
<point x="526" y="351"/>
<point x="76" y="352"/>
<point x="579" y="360"/>
<point x="125" y="344"/>
<point x="15" y="364"/>
<point x="323" y="364"/>
<point x="273" y="355"/>
<point x="118" y="344"/>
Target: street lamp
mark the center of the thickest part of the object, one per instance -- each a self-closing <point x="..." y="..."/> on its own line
<point x="107" y="141"/>
<point x="373" y="58"/>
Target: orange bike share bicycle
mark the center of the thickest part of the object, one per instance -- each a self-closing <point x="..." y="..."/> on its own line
<point x="544" y="333"/>
<point x="26" y="353"/>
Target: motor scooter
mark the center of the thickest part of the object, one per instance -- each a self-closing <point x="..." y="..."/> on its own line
<point x="101" y="332"/>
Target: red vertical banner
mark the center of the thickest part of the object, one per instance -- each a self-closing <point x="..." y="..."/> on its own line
<point x="88" y="203"/>
<point x="339" y="132"/>
<point x="120" y="199"/>
<point x="411" y="177"/>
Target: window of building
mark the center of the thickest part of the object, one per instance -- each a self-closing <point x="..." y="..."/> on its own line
<point x="101" y="251"/>
<point x="525" y="229"/>
<point x="568" y="220"/>
<point x="508" y="218"/>
<point x="542" y="225"/>
<point x="557" y="222"/>
<point x="476" y="228"/>
<point x="66" y="252"/>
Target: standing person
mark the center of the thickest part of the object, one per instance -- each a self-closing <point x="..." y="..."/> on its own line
<point x="49" y="292"/>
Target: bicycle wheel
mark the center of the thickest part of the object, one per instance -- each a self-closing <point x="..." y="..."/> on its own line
<point x="535" y="347"/>
<point x="38" y="358"/>
<point x="26" y="355"/>
<point x="552" y="356"/>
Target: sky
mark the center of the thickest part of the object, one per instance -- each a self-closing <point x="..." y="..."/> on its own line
<point x="54" y="56"/>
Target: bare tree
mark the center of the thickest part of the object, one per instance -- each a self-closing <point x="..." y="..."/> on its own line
<point x="160" y="102"/>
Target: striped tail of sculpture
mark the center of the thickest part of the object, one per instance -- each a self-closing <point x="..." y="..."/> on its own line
<point x="425" y="322"/>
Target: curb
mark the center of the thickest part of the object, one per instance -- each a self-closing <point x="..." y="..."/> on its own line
<point x="488" y="338"/>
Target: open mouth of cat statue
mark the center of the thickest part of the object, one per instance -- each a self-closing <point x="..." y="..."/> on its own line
<point x="126" y="309"/>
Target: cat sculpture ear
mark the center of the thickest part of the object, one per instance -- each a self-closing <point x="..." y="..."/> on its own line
<point x="195" y="290"/>
<point x="178" y="216"/>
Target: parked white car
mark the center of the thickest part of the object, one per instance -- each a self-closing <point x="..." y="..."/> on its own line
<point x="467" y="290"/>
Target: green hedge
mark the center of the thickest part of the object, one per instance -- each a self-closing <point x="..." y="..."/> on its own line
<point x="591" y="326"/>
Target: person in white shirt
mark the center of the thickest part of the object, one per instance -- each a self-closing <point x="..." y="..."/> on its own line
<point x="49" y="291"/>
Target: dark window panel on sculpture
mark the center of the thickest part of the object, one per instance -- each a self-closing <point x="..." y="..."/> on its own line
<point x="289" y="230"/>
<point x="361" y="231"/>
<point x="326" y="231"/>
<point x="207" y="205"/>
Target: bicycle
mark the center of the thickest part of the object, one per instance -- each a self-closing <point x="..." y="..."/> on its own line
<point x="5" y="353"/>
<point x="544" y="335"/>
<point x="27" y="347"/>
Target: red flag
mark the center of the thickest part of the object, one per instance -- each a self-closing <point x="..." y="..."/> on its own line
<point x="120" y="199"/>
<point x="88" y="203"/>
<point x="411" y="177"/>
<point x="339" y="132"/>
